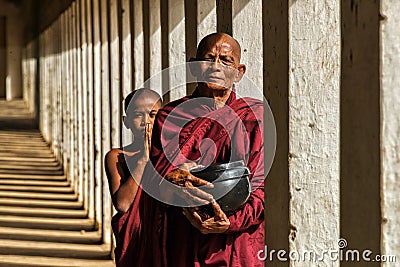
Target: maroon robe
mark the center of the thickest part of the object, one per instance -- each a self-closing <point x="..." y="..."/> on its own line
<point x="156" y="234"/>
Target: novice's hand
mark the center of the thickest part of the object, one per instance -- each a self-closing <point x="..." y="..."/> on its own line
<point x="214" y="225"/>
<point x="147" y="144"/>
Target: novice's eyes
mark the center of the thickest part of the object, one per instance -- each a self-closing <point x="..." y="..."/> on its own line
<point x="137" y="115"/>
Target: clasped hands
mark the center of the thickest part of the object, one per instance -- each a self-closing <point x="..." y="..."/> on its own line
<point x="195" y="197"/>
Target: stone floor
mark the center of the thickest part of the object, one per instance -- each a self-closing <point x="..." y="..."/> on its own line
<point x="41" y="221"/>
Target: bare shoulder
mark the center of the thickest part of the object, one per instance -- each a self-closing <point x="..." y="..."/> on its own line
<point x="113" y="154"/>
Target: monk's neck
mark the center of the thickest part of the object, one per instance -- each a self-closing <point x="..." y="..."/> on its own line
<point x="220" y="96"/>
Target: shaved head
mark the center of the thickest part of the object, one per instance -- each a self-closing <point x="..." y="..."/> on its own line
<point x="141" y="93"/>
<point x="212" y="39"/>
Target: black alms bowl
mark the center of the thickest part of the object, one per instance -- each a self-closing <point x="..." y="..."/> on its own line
<point x="231" y="183"/>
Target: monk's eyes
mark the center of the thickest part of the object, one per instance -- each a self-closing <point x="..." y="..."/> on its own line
<point x="208" y="59"/>
<point x="153" y="114"/>
<point x="223" y="60"/>
<point x="226" y="61"/>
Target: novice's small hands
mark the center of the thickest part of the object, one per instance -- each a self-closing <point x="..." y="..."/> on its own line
<point x="214" y="225"/>
<point x="147" y="143"/>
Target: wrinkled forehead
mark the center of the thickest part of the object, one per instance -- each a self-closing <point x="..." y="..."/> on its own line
<point x="219" y="44"/>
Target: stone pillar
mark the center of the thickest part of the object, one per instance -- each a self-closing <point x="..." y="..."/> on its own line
<point x="390" y="129"/>
<point x="98" y="113"/>
<point x="206" y="18"/>
<point x="85" y="192"/>
<point x="14" y="26"/>
<point x="250" y="39"/>
<point x="90" y="95"/>
<point x="80" y="112"/>
<point x="314" y="80"/>
<point x="126" y="62"/>
<point x="205" y="23"/>
<point x="177" y="55"/>
<point x="155" y="45"/>
<point x="106" y="116"/>
<point x="73" y="95"/>
<point x="138" y="43"/>
<point x="115" y="68"/>
<point x="3" y="56"/>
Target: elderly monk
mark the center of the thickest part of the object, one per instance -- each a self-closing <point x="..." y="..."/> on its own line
<point x="210" y="126"/>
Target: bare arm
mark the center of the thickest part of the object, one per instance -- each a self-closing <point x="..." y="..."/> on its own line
<point x="123" y="189"/>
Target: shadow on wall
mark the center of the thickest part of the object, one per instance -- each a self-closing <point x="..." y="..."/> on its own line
<point x="360" y="127"/>
<point x="276" y="86"/>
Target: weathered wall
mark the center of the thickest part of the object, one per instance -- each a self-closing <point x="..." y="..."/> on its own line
<point x="390" y="128"/>
<point x="314" y="71"/>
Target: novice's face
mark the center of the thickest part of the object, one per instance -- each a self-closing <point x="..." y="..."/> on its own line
<point x="141" y="111"/>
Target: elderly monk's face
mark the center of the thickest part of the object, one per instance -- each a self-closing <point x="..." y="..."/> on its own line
<point x="220" y="63"/>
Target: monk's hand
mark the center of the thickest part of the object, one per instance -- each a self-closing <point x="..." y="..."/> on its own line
<point x="214" y="225"/>
<point x="187" y="189"/>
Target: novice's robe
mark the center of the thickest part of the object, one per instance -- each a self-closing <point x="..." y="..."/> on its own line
<point x="236" y="131"/>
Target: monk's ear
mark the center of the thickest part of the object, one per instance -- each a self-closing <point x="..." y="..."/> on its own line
<point x="194" y="66"/>
<point x="241" y="71"/>
<point x="127" y="122"/>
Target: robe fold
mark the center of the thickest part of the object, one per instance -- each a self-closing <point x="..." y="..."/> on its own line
<point x="152" y="233"/>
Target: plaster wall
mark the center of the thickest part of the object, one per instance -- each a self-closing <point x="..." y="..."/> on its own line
<point x="314" y="86"/>
<point x="390" y="127"/>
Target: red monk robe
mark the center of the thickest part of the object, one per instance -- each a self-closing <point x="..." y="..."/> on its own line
<point x="159" y="234"/>
<point x="184" y="245"/>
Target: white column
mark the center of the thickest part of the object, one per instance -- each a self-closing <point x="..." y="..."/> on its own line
<point x="176" y="28"/>
<point x="250" y="39"/>
<point x="155" y="45"/>
<point x="14" y="26"/>
<point x="314" y="69"/>
<point x="115" y="75"/>
<point x="126" y="61"/>
<point x="59" y="78"/>
<point x="90" y="92"/>
<point x="25" y="73"/>
<point x="390" y="129"/>
<point x="98" y="160"/>
<point x="206" y="18"/>
<point x="138" y="44"/>
<point x="53" y="84"/>
<point x="73" y="96"/>
<point x="80" y="137"/>
<point x="3" y="56"/>
<point x="84" y="189"/>
<point x="70" y="97"/>
<point x="66" y="96"/>
<point x="63" y="92"/>
<point x="106" y="125"/>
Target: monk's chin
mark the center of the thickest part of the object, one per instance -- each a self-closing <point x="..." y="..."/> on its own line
<point x="216" y="87"/>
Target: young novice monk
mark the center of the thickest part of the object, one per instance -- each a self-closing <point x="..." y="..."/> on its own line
<point x="125" y="166"/>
